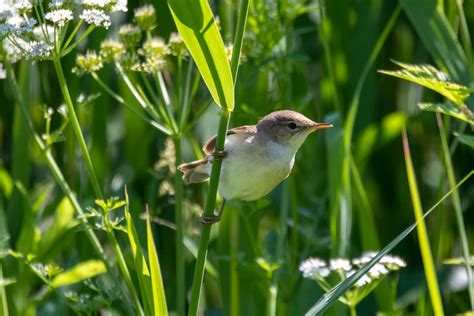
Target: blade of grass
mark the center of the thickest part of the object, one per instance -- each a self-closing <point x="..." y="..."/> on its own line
<point x="333" y="295"/>
<point x="423" y="239"/>
<point x="438" y="37"/>
<point x="159" y="299"/>
<point x="143" y="274"/>
<point x="195" y="23"/>
<point x="457" y="207"/>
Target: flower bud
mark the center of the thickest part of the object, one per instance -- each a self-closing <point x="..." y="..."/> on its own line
<point x="145" y="16"/>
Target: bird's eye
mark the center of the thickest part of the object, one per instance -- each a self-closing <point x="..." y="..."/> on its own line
<point x="292" y="125"/>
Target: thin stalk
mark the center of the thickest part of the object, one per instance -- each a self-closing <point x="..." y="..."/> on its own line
<point x="58" y="176"/>
<point x="164" y="92"/>
<point x="77" y="128"/>
<point x="74" y="45"/>
<point x="186" y="104"/>
<point x="457" y="207"/>
<point x="208" y="211"/>
<point x="352" y="308"/>
<point x="239" y="38"/>
<point x="3" y="296"/>
<point x="284" y="215"/>
<point x="71" y="37"/>
<point x="423" y="240"/>
<point x="123" y="267"/>
<point x="216" y="166"/>
<point x="234" y="263"/>
<point x="119" y="99"/>
<point x="180" y="271"/>
<point x="93" y="178"/>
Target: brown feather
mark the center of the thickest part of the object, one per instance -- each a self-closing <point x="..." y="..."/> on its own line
<point x="210" y="145"/>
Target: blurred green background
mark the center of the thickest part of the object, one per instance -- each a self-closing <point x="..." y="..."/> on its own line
<point x="304" y="56"/>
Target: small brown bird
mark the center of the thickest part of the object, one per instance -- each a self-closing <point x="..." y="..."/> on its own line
<point x="256" y="158"/>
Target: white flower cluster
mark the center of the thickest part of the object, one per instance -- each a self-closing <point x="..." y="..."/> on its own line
<point x="18" y="33"/>
<point x="315" y="268"/>
<point x="59" y="17"/>
<point x="96" y="17"/>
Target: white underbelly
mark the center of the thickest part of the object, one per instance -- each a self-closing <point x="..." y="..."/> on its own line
<point x="248" y="179"/>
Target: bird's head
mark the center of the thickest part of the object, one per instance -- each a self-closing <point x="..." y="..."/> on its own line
<point x="288" y="127"/>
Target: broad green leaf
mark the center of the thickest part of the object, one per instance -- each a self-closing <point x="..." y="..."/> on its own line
<point x="438" y="37"/>
<point x="79" y="272"/>
<point x="431" y="78"/>
<point x="144" y="278"/>
<point x="423" y="239"/>
<point x="333" y="295"/>
<point x="465" y="139"/>
<point x="195" y="22"/>
<point x="159" y="298"/>
<point x="449" y="108"/>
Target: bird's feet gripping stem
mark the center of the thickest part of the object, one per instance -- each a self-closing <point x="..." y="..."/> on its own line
<point x="219" y="154"/>
<point x="214" y="218"/>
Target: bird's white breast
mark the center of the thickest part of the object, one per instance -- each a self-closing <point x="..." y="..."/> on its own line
<point x="252" y="169"/>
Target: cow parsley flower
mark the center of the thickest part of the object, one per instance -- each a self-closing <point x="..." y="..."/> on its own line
<point x="5" y="14"/>
<point x="130" y="34"/>
<point x="96" y="17"/>
<point x="145" y="16"/>
<point x="38" y="50"/>
<point x="176" y="45"/>
<point x="111" y="50"/>
<point x="24" y="27"/>
<point x="328" y="275"/>
<point x="59" y="17"/>
<point x="90" y="62"/>
<point x="154" y="47"/>
<point x="23" y="6"/>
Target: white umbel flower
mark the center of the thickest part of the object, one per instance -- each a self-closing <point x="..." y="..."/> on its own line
<point x="59" y="17"/>
<point x="340" y="264"/>
<point x="95" y="17"/>
<point x="313" y="268"/>
<point x="38" y="50"/>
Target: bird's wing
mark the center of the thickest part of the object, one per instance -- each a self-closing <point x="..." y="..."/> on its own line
<point x="210" y="145"/>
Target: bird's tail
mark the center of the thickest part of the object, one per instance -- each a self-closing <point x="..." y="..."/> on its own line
<point x="195" y="171"/>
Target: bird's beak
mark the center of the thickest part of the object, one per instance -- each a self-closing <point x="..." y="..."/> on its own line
<point x="317" y="126"/>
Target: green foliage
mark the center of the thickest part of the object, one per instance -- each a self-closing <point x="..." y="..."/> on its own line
<point x="431" y="78"/>
<point x="195" y="22"/>
<point x="78" y="273"/>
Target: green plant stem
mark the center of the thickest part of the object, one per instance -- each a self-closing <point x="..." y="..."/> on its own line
<point x="3" y="295"/>
<point x="123" y="268"/>
<point x="58" y="176"/>
<point x="239" y="38"/>
<point x="353" y="310"/>
<point x="119" y="99"/>
<point x="180" y="271"/>
<point x="425" y="250"/>
<point x="216" y="166"/>
<point x="457" y="207"/>
<point x="77" y="128"/>
<point x="208" y="211"/>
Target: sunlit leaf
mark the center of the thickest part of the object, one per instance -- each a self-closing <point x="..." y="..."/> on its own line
<point x="159" y="298"/>
<point x="79" y="272"/>
<point x="423" y="239"/>
<point x="144" y="278"/>
<point x="438" y="36"/>
<point x="465" y="139"/>
<point x="449" y="108"/>
<point x="195" y="23"/>
<point x="431" y="78"/>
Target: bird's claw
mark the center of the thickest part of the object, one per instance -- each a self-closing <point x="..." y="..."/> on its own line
<point x="209" y="219"/>
<point x="219" y="154"/>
